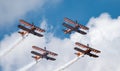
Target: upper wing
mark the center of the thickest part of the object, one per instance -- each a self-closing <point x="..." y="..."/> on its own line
<point x="39" y="29"/>
<point x="25" y="23"/>
<point x="82" y="51"/>
<point x="37" y="48"/>
<point x="83" y="27"/>
<point x="84" y="46"/>
<point x="28" y="24"/>
<point x="73" y="22"/>
<point x="81" y="45"/>
<point x="50" y="58"/>
<point x="51" y="53"/>
<point x="40" y="49"/>
<point x="69" y="21"/>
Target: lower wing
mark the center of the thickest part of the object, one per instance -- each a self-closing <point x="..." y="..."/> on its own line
<point x="50" y="58"/>
<point x="92" y="55"/>
<point x="37" y="34"/>
<point x="23" y="28"/>
<point x="81" y="32"/>
<point x="68" y="26"/>
<point x="80" y="50"/>
<point x="36" y="53"/>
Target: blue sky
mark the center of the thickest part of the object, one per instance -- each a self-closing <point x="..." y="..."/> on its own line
<point x="81" y="10"/>
<point x="54" y="13"/>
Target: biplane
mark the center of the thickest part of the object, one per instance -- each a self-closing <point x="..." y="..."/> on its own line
<point x="87" y="50"/>
<point x="45" y="54"/>
<point x="29" y="28"/>
<point x="76" y="27"/>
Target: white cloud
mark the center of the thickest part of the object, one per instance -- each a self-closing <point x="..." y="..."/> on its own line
<point x="19" y="56"/>
<point x="12" y="9"/>
<point x="103" y="35"/>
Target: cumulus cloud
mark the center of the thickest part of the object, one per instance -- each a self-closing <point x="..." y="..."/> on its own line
<point x="19" y="54"/>
<point x="103" y="35"/>
<point x="10" y="10"/>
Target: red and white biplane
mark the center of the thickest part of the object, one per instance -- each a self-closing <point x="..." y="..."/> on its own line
<point x="87" y="50"/>
<point x="44" y="54"/>
<point x="29" y="28"/>
<point x="76" y="27"/>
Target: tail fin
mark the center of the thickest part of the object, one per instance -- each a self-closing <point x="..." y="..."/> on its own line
<point x="78" y="54"/>
<point x="35" y="59"/>
<point x="21" y="33"/>
<point x="65" y="31"/>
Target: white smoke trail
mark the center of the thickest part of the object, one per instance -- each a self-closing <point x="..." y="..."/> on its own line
<point x="68" y="64"/>
<point x="30" y="65"/>
<point x="7" y="51"/>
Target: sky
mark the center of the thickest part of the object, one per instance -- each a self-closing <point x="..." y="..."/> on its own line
<point x="102" y="17"/>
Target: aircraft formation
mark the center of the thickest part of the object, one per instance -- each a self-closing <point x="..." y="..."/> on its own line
<point x="71" y="26"/>
<point x="31" y="28"/>
<point x="77" y="28"/>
